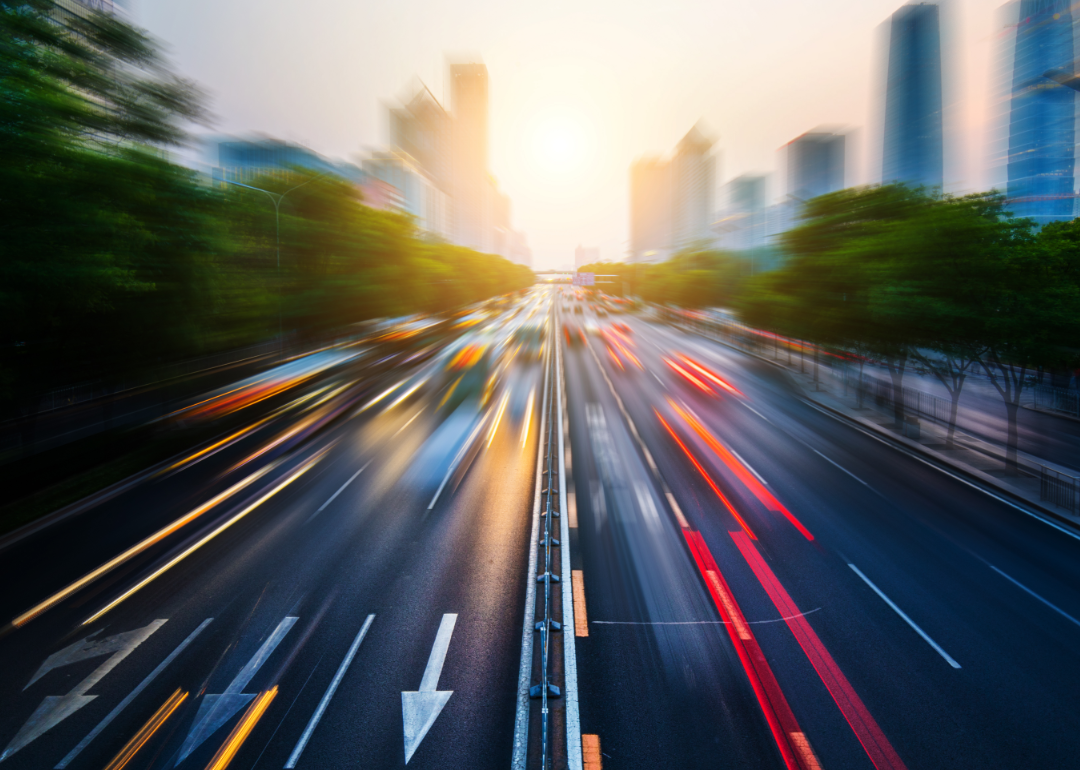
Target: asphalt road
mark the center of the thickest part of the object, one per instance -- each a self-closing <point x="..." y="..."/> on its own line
<point x="744" y="558"/>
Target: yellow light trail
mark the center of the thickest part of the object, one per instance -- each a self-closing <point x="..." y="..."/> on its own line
<point x="242" y="730"/>
<point x="140" y="738"/>
<point x="498" y="416"/>
<point x="528" y="418"/>
<point x="112" y="564"/>
<point x="187" y="552"/>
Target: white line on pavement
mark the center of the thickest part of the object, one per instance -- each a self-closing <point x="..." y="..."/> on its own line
<point x="948" y="658"/>
<point x="1018" y="584"/>
<point x="340" y="490"/>
<point x="131" y="696"/>
<point x="841" y="467"/>
<point x="300" y="744"/>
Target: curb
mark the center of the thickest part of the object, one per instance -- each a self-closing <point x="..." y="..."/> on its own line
<point x="972" y="476"/>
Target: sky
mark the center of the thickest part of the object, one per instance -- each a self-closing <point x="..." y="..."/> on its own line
<point x="578" y="88"/>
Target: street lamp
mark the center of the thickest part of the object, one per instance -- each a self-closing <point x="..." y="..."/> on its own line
<point x="276" y="199"/>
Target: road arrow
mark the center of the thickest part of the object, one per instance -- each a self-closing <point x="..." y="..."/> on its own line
<point x="56" y="708"/>
<point x="421" y="708"/>
<point x="216" y="710"/>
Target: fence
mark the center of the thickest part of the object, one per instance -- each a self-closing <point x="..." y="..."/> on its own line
<point x="915" y="401"/>
<point x="1057" y="399"/>
<point x="1058" y="488"/>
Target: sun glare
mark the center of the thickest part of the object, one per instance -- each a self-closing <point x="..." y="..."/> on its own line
<point x="559" y="145"/>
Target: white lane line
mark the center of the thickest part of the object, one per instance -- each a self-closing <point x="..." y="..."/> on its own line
<point x="755" y="411"/>
<point x="841" y="467"/>
<point x="410" y="422"/>
<point x="948" y="658"/>
<point x="457" y="459"/>
<point x="340" y="490"/>
<point x="903" y="450"/>
<point x="657" y="379"/>
<point x="131" y="696"/>
<point x="1018" y="584"/>
<point x="300" y="744"/>
<point x="747" y="465"/>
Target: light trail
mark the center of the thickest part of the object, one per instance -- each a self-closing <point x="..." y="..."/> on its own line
<point x="187" y="552"/>
<point x="147" y="731"/>
<point x="498" y="417"/>
<point x="528" y="418"/>
<point x="705" y="475"/>
<point x="135" y="550"/>
<point x="242" y="730"/>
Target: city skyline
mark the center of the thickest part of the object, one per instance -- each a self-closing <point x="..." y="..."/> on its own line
<point x="606" y="93"/>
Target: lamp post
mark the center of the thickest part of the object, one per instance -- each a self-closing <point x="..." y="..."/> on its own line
<point x="276" y="199"/>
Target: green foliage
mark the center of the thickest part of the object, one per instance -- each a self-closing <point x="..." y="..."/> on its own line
<point x="115" y="260"/>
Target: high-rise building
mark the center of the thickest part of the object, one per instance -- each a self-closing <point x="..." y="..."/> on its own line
<point x="472" y="199"/>
<point x="650" y="210"/>
<point x="912" y="148"/>
<point x="1041" y="113"/>
<point x="742" y="221"/>
<point x="422" y="129"/>
<point x="815" y="164"/>
<point x="419" y="195"/>
<point x="671" y="201"/>
<point x="692" y="183"/>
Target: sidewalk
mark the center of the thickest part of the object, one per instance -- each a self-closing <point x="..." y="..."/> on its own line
<point x="972" y="456"/>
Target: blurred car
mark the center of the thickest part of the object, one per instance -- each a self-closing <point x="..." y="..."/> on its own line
<point x="622" y="326"/>
<point x="574" y="335"/>
<point x="530" y="337"/>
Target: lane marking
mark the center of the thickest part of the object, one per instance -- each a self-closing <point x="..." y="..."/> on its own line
<point x="131" y="748"/>
<point x="338" y="676"/>
<point x="1075" y="535"/>
<point x="130" y="697"/>
<point x="581" y="620"/>
<point x="755" y="411"/>
<point x="457" y="459"/>
<point x="926" y="638"/>
<point x="838" y="466"/>
<point x="191" y="549"/>
<point x="498" y="417"/>
<point x="340" y="490"/>
<point x="677" y="510"/>
<point x="161" y="534"/>
<point x="590" y="752"/>
<point x="410" y="422"/>
<point x="870" y="735"/>
<point x="420" y="708"/>
<point x="1020" y="585"/>
<point x="218" y="708"/>
<point x="528" y="418"/>
<point x="54" y="709"/>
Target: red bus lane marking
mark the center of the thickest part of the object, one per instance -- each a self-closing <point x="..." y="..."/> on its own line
<point x="789" y="737"/>
<point x="704" y="475"/>
<point x="760" y="492"/>
<point x="873" y="740"/>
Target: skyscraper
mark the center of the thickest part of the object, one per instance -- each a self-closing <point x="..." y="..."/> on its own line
<point x="474" y="190"/>
<point x="692" y="183"/>
<point x="671" y="201"/>
<point x="1042" y="122"/>
<point x="650" y="210"/>
<point x="912" y="148"/>
<point x="815" y="164"/>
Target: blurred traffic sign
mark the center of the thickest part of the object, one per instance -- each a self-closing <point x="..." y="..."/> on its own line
<point x="584" y="279"/>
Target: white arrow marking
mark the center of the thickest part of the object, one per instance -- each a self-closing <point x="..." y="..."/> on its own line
<point x="56" y="708"/>
<point x="216" y="710"/>
<point x="131" y="696"/>
<point x="420" y="709"/>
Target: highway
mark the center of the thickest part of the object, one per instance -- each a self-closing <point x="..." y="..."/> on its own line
<point x="342" y="582"/>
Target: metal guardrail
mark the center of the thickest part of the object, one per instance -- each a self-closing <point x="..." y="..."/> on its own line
<point x="1059" y="488"/>
<point x="546" y="689"/>
<point x="915" y="401"/>
<point x="1056" y="399"/>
